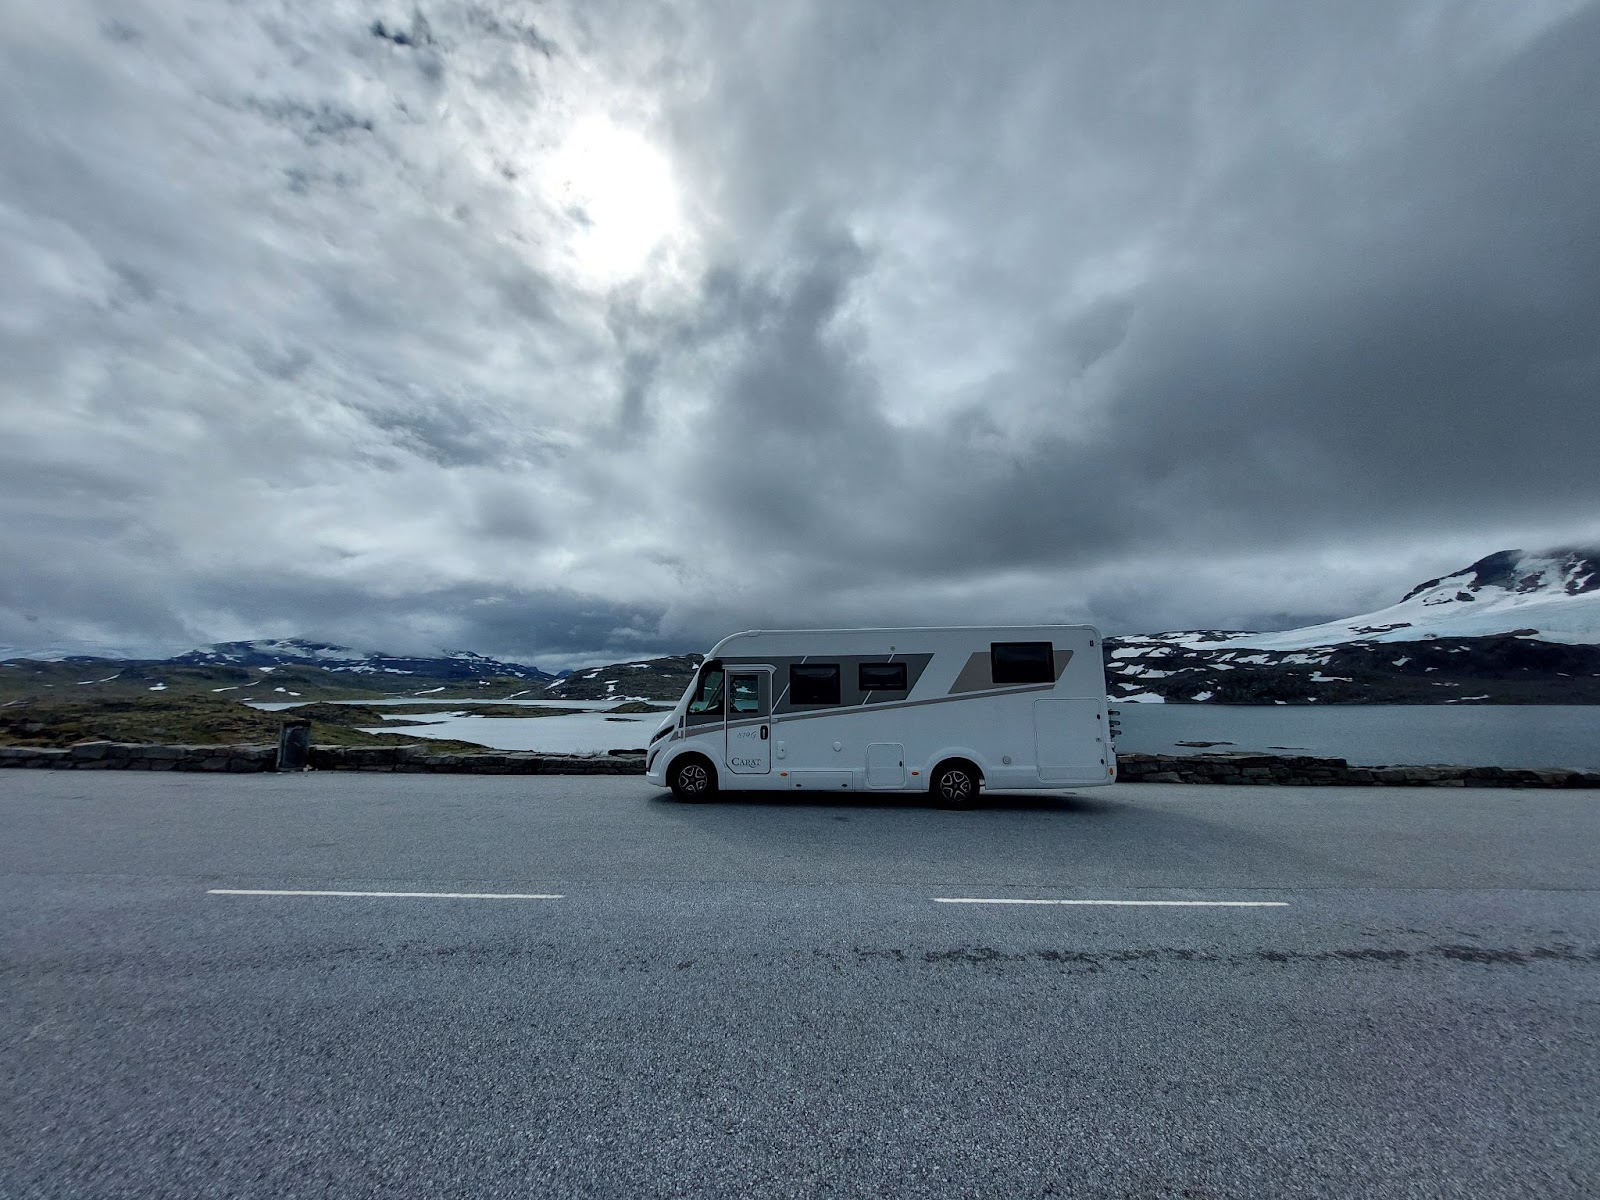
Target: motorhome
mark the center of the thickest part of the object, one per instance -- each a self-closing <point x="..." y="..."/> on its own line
<point x="947" y="711"/>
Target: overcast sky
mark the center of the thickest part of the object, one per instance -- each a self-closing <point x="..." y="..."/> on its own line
<point x="580" y="332"/>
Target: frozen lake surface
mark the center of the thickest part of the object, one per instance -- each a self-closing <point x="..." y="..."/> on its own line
<point x="1489" y="735"/>
<point x="579" y="733"/>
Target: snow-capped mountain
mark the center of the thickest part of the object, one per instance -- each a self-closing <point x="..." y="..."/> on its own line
<point x="1514" y="627"/>
<point x="1552" y="595"/>
<point x="297" y="652"/>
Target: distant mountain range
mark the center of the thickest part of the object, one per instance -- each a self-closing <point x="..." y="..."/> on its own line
<point x="461" y="665"/>
<point x="288" y="670"/>
<point x="1513" y="627"/>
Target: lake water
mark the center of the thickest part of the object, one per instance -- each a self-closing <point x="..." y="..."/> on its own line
<point x="444" y="706"/>
<point x="1489" y="735"/>
<point x="587" y="732"/>
<point x="579" y="733"/>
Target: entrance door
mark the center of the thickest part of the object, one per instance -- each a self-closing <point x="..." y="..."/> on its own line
<point x="749" y="728"/>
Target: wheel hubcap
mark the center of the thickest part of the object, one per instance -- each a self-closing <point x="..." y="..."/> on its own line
<point x="692" y="779"/>
<point x="955" y="786"/>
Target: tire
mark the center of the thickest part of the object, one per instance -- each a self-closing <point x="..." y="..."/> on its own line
<point x="692" y="778"/>
<point x="955" y="785"/>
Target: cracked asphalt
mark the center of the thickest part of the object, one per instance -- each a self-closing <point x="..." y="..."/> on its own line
<point x="760" y="997"/>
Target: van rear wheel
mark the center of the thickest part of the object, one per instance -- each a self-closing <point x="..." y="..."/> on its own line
<point x="692" y="778"/>
<point x="955" y="785"/>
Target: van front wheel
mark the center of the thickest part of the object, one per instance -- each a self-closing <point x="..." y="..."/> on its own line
<point x="955" y="785"/>
<point x="692" y="778"/>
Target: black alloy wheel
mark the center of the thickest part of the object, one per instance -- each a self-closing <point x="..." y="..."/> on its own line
<point x="955" y="785"/>
<point x="692" y="778"/>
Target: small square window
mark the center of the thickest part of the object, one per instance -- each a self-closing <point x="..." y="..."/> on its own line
<point x="814" y="683"/>
<point x="882" y="677"/>
<point x="744" y="693"/>
<point x="1022" y="662"/>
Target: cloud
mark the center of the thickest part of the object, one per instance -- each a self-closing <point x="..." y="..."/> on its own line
<point x="1144" y="314"/>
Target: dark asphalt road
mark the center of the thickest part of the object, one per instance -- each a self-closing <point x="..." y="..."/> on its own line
<point x="760" y="997"/>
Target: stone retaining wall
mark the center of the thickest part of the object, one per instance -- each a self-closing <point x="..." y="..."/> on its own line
<point x="1272" y="768"/>
<point x="1132" y="768"/>
<point x="121" y="756"/>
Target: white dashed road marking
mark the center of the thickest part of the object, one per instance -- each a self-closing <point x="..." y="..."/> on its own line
<point x="1122" y="903"/>
<point x="389" y="895"/>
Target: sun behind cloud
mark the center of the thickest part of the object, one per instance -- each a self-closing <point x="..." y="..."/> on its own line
<point x="619" y="196"/>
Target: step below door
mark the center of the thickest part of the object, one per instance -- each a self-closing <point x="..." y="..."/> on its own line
<point x="886" y="765"/>
<point x="1069" y="740"/>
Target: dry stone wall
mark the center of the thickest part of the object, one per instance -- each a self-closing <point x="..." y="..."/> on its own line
<point x="121" y="756"/>
<point x="1276" y="769"/>
<point x="1132" y="768"/>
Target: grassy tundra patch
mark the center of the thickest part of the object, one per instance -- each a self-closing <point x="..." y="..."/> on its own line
<point x="190" y="721"/>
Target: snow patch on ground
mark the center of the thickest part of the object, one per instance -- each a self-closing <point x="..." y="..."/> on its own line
<point x="1145" y="672"/>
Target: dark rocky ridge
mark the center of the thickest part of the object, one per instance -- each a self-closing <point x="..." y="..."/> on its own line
<point x="1482" y="670"/>
<point x="654" y="679"/>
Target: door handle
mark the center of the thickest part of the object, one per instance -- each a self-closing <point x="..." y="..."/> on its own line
<point x="763" y="733"/>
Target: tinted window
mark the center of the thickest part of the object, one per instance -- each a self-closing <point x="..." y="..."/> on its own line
<point x="814" y="683"/>
<point x="1022" y="662"/>
<point x="744" y="694"/>
<point x="882" y="677"/>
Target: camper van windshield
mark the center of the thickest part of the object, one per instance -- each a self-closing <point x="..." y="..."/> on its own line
<point x="708" y="693"/>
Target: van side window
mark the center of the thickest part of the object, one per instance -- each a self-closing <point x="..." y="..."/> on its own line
<point x="814" y="683"/>
<point x="744" y="694"/>
<point x="1022" y="662"/>
<point x="882" y="677"/>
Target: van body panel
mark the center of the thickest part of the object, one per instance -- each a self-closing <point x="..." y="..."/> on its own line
<point x="1069" y="738"/>
<point x="886" y="766"/>
<point x="881" y="709"/>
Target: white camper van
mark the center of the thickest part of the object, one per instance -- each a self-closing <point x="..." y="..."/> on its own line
<point x="891" y="710"/>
